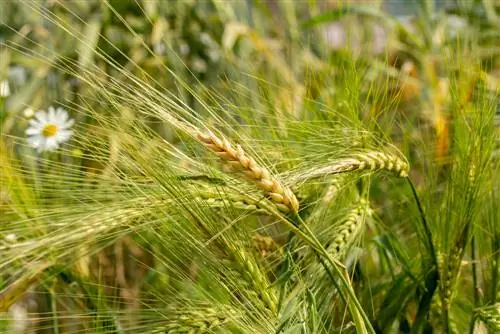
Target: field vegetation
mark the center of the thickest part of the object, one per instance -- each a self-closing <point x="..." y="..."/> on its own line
<point x="249" y="167"/>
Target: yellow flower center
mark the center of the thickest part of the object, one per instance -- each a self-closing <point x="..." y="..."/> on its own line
<point x="49" y="130"/>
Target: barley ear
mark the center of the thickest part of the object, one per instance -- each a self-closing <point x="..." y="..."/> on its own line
<point x="449" y="276"/>
<point x="195" y="321"/>
<point x="256" y="277"/>
<point x="237" y="201"/>
<point x="238" y="159"/>
<point x="374" y="160"/>
<point x="364" y="161"/>
<point x="349" y="229"/>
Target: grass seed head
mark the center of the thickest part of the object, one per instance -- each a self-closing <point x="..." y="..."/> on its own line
<point x="380" y="160"/>
<point x="196" y="321"/>
<point x="256" y="277"/>
<point x="349" y="229"/>
<point x="283" y="197"/>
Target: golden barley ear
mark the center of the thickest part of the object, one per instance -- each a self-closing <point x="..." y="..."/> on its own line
<point x="238" y="159"/>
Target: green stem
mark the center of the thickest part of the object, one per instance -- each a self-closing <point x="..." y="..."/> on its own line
<point x="53" y="308"/>
<point x="474" y="271"/>
<point x="425" y="224"/>
<point x="495" y="268"/>
<point x="494" y="277"/>
<point x="250" y="13"/>
<point x="359" y="316"/>
<point x="446" y="318"/>
<point x="431" y="283"/>
<point x="432" y="276"/>
<point x="474" y="279"/>
<point x="330" y="275"/>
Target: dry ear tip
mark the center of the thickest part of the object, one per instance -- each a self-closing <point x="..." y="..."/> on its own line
<point x="203" y="137"/>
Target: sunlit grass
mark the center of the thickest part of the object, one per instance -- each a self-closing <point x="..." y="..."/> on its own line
<point x="281" y="188"/>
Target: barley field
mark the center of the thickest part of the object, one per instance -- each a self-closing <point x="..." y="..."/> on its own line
<point x="249" y="166"/>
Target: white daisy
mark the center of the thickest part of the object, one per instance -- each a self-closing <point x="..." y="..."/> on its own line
<point x="49" y="129"/>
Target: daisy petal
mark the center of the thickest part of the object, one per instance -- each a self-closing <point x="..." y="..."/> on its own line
<point x="62" y="115"/>
<point x="35" y="141"/>
<point x="52" y="115"/>
<point x="68" y="124"/>
<point x="41" y="116"/>
<point x="35" y="124"/>
<point x="64" y="135"/>
<point x="51" y="144"/>
<point x="32" y="131"/>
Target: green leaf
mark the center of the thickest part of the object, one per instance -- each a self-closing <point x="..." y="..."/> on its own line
<point x="399" y="292"/>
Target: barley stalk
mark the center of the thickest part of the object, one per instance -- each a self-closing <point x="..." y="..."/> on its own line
<point x="236" y="158"/>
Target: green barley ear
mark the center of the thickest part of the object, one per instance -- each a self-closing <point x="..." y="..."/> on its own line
<point x="255" y="276"/>
<point x="197" y="320"/>
<point x="369" y="161"/>
<point x="381" y="161"/>
<point x="238" y="159"/>
<point x="450" y="271"/>
<point x="226" y="197"/>
<point x="350" y="229"/>
<point x="345" y="233"/>
<point x="329" y="197"/>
